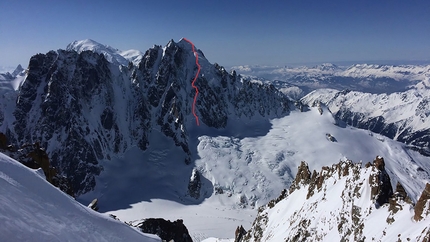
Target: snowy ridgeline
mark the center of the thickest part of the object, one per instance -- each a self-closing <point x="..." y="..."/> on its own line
<point x="33" y="210"/>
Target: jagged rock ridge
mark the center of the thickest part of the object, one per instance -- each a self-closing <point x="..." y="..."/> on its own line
<point x="344" y="202"/>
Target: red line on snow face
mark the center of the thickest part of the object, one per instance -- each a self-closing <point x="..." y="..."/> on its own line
<point x="195" y="79"/>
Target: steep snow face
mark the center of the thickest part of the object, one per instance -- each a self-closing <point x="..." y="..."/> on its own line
<point x="401" y="116"/>
<point x="338" y="204"/>
<point x="358" y="77"/>
<point x="84" y="107"/>
<point x="33" y="210"/>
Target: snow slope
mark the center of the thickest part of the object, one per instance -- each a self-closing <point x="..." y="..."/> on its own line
<point x="33" y="210"/>
<point x="242" y="171"/>
<point x="403" y="116"/>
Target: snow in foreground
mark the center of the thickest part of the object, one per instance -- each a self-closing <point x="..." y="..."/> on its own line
<point x="33" y="210"/>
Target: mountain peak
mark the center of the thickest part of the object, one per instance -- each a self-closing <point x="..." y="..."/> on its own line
<point x="111" y="54"/>
<point x="17" y="70"/>
<point x="87" y="44"/>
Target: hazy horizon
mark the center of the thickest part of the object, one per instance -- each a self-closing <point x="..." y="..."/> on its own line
<point x="229" y="33"/>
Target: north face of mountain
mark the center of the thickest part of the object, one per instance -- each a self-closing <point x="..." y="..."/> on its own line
<point x="85" y="108"/>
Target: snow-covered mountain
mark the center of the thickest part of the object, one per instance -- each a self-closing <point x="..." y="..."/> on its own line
<point x="11" y="81"/>
<point x="33" y="210"/>
<point x="84" y="106"/>
<point x="111" y="54"/>
<point x="9" y="85"/>
<point x="120" y="126"/>
<point x="402" y="116"/>
<point x="358" y="77"/>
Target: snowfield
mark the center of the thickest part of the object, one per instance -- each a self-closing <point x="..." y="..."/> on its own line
<point x="31" y="209"/>
<point x="242" y="171"/>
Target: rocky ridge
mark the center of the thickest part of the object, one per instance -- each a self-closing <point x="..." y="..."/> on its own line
<point x="344" y="202"/>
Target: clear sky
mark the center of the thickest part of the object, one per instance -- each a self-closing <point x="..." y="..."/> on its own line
<point x="229" y="32"/>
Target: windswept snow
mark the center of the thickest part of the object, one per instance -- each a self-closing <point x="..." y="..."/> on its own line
<point x="31" y="209"/>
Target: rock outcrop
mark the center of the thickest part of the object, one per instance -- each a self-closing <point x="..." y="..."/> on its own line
<point x="194" y="184"/>
<point x="380" y="183"/>
<point x="239" y="233"/>
<point x="422" y="208"/>
<point x="302" y="178"/>
<point x="35" y="157"/>
<point x="165" y="229"/>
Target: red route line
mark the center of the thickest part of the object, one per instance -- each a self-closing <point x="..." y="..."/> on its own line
<point x="195" y="79"/>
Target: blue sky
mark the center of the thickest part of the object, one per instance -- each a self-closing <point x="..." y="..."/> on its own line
<point x="228" y="32"/>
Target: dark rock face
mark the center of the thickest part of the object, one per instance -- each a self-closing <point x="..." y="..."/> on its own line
<point x="422" y="208"/>
<point x="379" y="163"/>
<point x="399" y="196"/>
<point x="195" y="184"/>
<point x="380" y="183"/>
<point x="302" y="178"/>
<point x="239" y="234"/>
<point x="85" y="109"/>
<point x="35" y="157"/>
<point x="3" y="142"/>
<point x="165" y="229"/>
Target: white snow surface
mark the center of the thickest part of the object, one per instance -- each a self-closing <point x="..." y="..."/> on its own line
<point x="111" y="54"/>
<point x="243" y="167"/>
<point x="395" y="107"/>
<point x="31" y="209"/>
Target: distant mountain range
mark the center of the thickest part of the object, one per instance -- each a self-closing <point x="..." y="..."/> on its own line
<point x="357" y="77"/>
